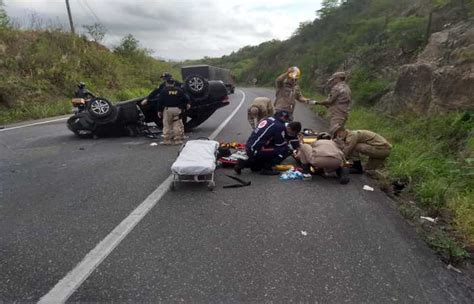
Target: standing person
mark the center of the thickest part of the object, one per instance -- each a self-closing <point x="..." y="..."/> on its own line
<point x="267" y="146"/>
<point x="260" y="108"/>
<point x="152" y="97"/>
<point x="172" y="101"/>
<point x="364" y="142"/>
<point x="324" y="154"/>
<point x="338" y="102"/>
<point x="288" y="91"/>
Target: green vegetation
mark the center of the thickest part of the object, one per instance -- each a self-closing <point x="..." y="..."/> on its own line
<point x="39" y="71"/>
<point x="435" y="155"/>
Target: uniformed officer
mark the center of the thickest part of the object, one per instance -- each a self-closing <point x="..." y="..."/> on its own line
<point x="356" y="142"/>
<point x="324" y="155"/>
<point x="172" y="101"/>
<point x="152" y="97"/>
<point x="338" y="102"/>
<point x="288" y="91"/>
<point x="260" y="108"/>
<point x="267" y="146"/>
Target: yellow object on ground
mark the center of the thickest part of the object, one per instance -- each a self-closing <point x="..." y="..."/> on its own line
<point x="284" y="167"/>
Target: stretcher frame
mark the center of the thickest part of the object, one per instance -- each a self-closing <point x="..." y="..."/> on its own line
<point x="194" y="178"/>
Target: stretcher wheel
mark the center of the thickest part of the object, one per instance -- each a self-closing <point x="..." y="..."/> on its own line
<point x="173" y="186"/>
<point x="211" y="185"/>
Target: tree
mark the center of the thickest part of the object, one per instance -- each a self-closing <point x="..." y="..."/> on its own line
<point x="96" y="31"/>
<point x="4" y="20"/>
<point x="327" y="7"/>
<point x="128" y="46"/>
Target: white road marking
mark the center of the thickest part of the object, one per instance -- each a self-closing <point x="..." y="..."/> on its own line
<point x="74" y="279"/>
<point x="34" y="124"/>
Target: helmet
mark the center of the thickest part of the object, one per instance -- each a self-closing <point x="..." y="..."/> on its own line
<point x="282" y="115"/>
<point x="81" y="85"/>
<point x="294" y="73"/>
<point x="166" y="76"/>
<point x="323" y="135"/>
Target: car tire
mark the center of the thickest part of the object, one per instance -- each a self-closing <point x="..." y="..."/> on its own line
<point x="196" y="85"/>
<point x="100" y="107"/>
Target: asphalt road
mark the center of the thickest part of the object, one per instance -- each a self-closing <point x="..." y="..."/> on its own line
<point x="275" y="241"/>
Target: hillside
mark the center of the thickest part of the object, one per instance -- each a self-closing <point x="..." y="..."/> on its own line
<point x="39" y="71"/>
<point x="404" y="58"/>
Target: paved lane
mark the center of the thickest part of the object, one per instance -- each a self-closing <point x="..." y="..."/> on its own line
<point x="230" y="245"/>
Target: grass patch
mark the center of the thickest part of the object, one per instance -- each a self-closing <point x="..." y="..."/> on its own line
<point x="34" y="111"/>
<point x="435" y="153"/>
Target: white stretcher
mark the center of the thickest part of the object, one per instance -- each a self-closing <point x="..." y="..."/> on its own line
<point x="196" y="163"/>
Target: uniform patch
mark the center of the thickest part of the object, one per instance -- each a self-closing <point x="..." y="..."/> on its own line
<point x="262" y="124"/>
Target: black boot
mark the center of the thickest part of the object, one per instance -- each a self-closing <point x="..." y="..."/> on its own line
<point x="306" y="168"/>
<point x="343" y="175"/>
<point x="356" y="168"/>
<point x="239" y="166"/>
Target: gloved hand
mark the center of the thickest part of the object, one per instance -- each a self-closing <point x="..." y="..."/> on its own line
<point x="160" y="115"/>
<point x="312" y="102"/>
<point x="144" y="102"/>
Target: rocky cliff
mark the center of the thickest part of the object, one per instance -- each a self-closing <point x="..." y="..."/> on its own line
<point x="441" y="78"/>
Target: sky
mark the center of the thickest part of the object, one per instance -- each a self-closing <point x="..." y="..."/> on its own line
<point x="175" y="30"/>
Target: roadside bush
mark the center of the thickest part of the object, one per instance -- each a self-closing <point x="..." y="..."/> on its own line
<point x="408" y="33"/>
<point x="366" y="87"/>
<point x="426" y="151"/>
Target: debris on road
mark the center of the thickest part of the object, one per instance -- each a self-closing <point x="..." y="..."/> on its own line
<point x="241" y="183"/>
<point x="429" y="219"/>
<point x="154" y="144"/>
<point x="292" y="174"/>
<point x="451" y="267"/>
<point x="367" y="188"/>
<point x="304" y="233"/>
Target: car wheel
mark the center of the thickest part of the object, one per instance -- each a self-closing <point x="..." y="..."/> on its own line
<point x="100" y="107"/>
<point x="196" y="85"/>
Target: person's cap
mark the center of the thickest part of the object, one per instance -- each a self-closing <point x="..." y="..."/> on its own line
<point x="341" y="75"/>
<point x="166" y="76"/>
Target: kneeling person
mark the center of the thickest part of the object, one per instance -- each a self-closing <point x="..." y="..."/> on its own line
<point x="260" y="108"/>
<point x="268" y="145"/>
<point x="364" y="142"/>
<point x="324" y="154"/>
<point x="172" y="101"/>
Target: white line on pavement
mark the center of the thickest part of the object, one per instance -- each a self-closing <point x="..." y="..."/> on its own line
<point x="74" y="279"/>
<point x="34" y="124"/>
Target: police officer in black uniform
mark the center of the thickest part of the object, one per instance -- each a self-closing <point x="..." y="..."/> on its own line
<point x="152" y="97"/>
<point x="171" y="103"/>
<point x="268" y="146"/>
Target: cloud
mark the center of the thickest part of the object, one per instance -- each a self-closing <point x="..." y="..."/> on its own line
<point x="180" y="29"/>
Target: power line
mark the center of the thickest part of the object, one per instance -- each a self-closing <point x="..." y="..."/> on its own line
<point x="92" y="11"/>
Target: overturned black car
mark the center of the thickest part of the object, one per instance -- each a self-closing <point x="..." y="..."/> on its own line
<point x="99" y="117"/>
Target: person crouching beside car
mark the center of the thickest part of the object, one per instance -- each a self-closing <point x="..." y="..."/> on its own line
<point x="371" y="144"/>
<point x="260" y="108"/>
<point x="324" y="155"/>
<point x="267" y="146"/>
<point x="172" y="101"/>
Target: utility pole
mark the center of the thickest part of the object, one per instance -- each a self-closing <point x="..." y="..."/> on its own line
<point x="70" y="16"/>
